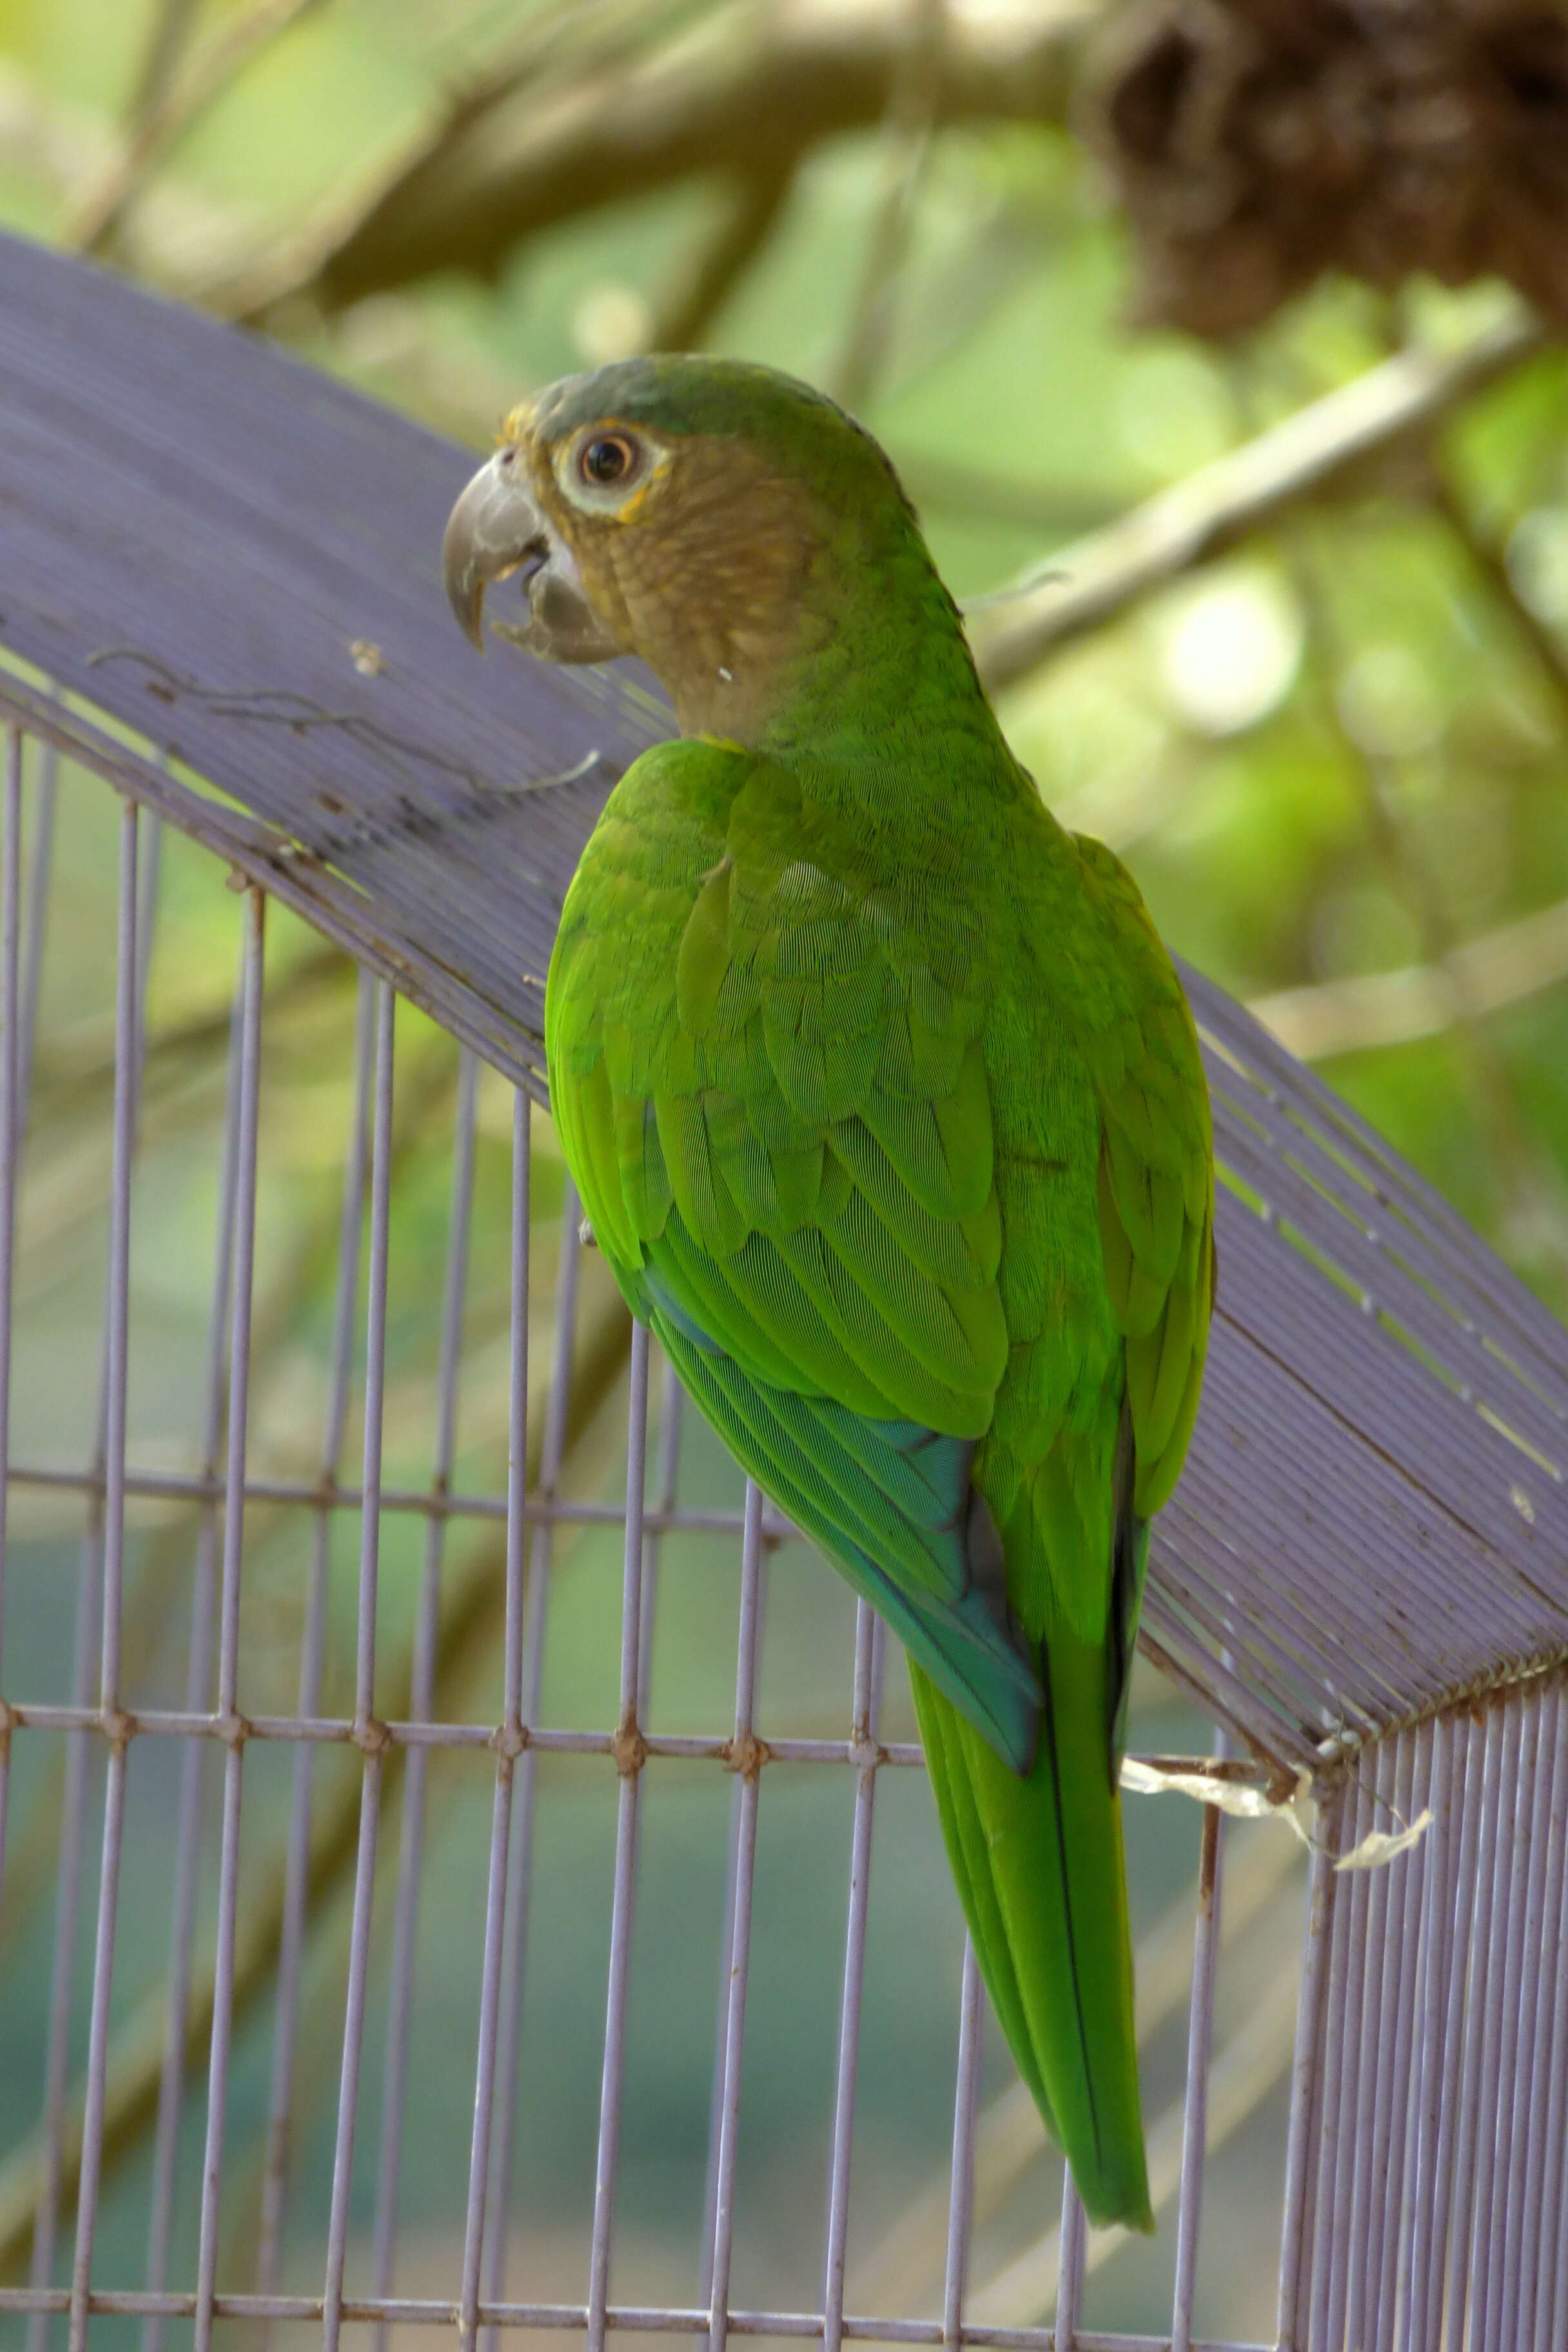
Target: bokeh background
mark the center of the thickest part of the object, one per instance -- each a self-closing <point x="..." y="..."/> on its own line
<point x="1216" y="348"/>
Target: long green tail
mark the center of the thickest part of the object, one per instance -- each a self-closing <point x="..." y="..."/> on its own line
<point x="1038" y="1863"/>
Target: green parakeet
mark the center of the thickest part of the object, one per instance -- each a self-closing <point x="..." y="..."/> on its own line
<point x="885" y="1108"/>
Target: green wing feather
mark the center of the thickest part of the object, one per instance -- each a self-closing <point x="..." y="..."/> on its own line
<point x="920" y="1205"/>
<point x="781" y="1133"/>
<point x="1155" y="1185"/>
<point x="1039" y="1860"/>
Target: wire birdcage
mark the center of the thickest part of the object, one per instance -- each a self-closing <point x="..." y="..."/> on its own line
<point x="235" y="1667"/>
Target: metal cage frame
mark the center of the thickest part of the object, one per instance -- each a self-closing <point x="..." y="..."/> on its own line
<point x="1415" y="1399"/>
<point x="222" y="1487"/>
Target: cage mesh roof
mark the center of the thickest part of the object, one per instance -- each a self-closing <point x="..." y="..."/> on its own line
<point x="219" y="584"/>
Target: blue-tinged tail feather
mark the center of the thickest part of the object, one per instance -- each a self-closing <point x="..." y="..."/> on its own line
<point x="897" y="1517"/>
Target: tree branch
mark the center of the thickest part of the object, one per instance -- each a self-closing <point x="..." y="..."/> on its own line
<point x="1528" y="1186"/>
<point x="166" y="38"/>
<point x="712" y="274"/>
<point x="176" y="233"/>
<point x="169" y="105"/>
<point x="734" y="95"/>
<point x="1490" y="563"/>
<point x="1499" y="968"/>
<point x="909" y="128"/>
<point x="1199" y="517"/>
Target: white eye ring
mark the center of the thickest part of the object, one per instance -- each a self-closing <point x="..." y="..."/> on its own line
<point x="603" y="468"/>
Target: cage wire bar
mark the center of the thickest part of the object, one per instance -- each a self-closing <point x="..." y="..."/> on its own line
<point x="222" y="1490"/>
<point x="1398" y="1939"/>
<point x="1363" y="1581"/>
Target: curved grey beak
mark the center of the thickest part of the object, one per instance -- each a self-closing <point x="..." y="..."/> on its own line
<point x="498" y="528"/>
<point x="494" y="529"/>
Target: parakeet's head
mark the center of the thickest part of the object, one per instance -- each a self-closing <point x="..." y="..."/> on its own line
<point x="726" y="523"/>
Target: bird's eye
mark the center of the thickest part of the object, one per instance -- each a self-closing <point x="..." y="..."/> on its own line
<point x="606" y="459"/>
